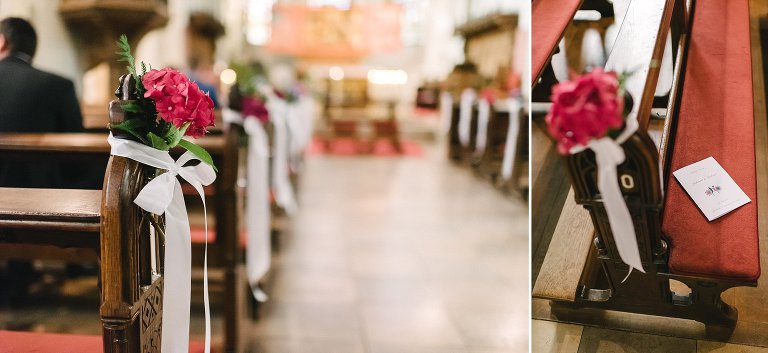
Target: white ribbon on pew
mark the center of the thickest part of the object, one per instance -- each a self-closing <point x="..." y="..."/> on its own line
<point x="483" y="114"/>
<point x="446" y="111"/>
<point x="465" y="115"/>
<point x="299" y="121"/>
<point x="258" y="250"/>
<point x="510" y="146"/>
<point x="609" y="155"/>
<point x="281" y="182"/>
<point x="163" y="195"/>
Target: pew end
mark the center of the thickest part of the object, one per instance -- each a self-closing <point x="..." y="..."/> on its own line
<point x="678" y="247"/>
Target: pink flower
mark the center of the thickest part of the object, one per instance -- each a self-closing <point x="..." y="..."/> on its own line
<point x="584" y="109"/>
<point x="179" y="100"/>
<point x="488" y="94"/>
<point x="255" y="107"/>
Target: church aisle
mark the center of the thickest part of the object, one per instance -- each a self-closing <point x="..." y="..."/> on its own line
<point x="398" y="255"/>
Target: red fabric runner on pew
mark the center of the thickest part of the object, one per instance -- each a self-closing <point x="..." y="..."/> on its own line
<point x="43" y="342"/>
<point x="716" y="119"/>
<point x="548" y="21"/>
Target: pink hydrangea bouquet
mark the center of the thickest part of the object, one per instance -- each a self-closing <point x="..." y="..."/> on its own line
<point x="166" y="106"/>
<point x="588" y="107"/>
<point x="255" y="106"/>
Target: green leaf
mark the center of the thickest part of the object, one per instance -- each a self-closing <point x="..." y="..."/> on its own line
<point x="125" y="55"/>
<point x="132" y="127"/>
<point x="158" y="142"/>
<point x="131" y="107"/>
<point x="174" y="135"/>
<point x="199" y="152"/>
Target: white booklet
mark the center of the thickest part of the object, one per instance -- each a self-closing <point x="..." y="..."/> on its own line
<point x="711" y="188"/>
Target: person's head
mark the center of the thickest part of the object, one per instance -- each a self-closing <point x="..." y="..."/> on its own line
<point x="17" y="37"/>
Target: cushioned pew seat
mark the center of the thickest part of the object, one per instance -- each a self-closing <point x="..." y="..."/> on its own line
<point x="35" y="342"/>
<point x="38" y="342"/>
<point x="197" y="234"/>
<point x="549" y="19"/>
<point x="716" y="119"/>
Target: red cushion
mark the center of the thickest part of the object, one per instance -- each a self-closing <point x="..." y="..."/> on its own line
<point x="40" y="342"/>
<point x="548" y="21"/>
<point x="197" y="234"/>
<point x="37" y="342"/>
<point x="716" y="119"/>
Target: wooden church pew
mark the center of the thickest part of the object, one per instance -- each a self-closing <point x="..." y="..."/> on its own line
<point x="676" y="242"/>
<point x="489" y="163"/>
<point x="108" y="223"/>
<point x="225" y="251"/>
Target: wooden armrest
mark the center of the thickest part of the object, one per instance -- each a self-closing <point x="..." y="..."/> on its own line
<point x="55" y="142"/>
<point x="53" y="209"/>
<point x="566" y="258"/>
<point x="646" y="22"/>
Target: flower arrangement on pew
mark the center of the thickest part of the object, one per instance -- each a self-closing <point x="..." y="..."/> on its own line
<point x="592" y="112"/>
<point x="246" y="96"/>
<point x="155" y="110"/>
<point x="168" y="106"/>
<point x="588" y="108"/>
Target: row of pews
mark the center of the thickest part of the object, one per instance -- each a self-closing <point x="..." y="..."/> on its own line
<point x="689" y="262"/>
<point x="490" y="137"/>
<point x="43" y="224"/>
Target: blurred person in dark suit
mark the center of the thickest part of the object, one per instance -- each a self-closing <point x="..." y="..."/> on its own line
<point x="32" y="100"/>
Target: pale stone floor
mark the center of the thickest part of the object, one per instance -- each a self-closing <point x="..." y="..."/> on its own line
<point x="399" y="255"/>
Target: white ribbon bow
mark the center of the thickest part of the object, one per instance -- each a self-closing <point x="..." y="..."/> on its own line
<point x="258" y="250"/>
<point x="163" y="195"/>
<point x="465" y="115"/>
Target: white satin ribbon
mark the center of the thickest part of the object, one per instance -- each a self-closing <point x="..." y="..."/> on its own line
<point x="299" y="122"/>
<point x="163" y="195"/>
<point x="465" y="115"/>
<point x="258" y="250"/>
<point x="609" y="155"/>
<point x="281" y="181"/>
<point x="483" y="115"/>
<point x="446" y="111"/>
<point x="510" y="146"/>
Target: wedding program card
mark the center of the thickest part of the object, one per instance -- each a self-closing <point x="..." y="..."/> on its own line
<point x="711" y="188"/>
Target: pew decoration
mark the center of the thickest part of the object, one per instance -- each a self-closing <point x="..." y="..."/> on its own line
<point x="155" y="110"/>
<point x="590" y="112"/>
<point x="252" y="116"/>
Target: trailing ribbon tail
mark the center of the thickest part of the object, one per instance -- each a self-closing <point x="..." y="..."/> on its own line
<point x="510" y="147"/>
<point x="258" y="249"/>
<point x="465" y="115"/>
<point x="609" y="155"/>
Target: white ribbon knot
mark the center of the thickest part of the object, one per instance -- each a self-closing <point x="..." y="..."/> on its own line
<point x="163" y="195"/>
